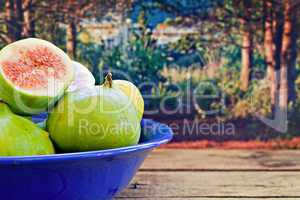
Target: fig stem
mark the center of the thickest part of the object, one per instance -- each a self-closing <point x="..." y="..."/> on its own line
<point x="108" y="80"/>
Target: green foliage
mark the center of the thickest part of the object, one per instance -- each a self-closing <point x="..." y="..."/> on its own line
<point x="221" y="95"/>
<point x="207" y="96"/>
<point x="238" y="103"/>
<point x="90" y="55"/>
<point x="232" y="57"/>
<point x="50" y="30"/>
<point x="164" y="96"/>
<point x="255" y="101"/>
<point x="140" y="59"/>
<point x="229" y="83"/>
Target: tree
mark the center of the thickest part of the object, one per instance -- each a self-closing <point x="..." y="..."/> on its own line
<point x="247" y="46"/>
<point x="219" y="21"/>
<point x="13" y="18"/>
<point x="9" y="19"/>
<point x="269" y="48"/>
<point x="73" y="12"/>
<point x="21" y="16"/>
<point x="28" y="19"/>
<point x="19" y="20"/>
<point x="71" y="34"/>
<point x="288" y="57"/>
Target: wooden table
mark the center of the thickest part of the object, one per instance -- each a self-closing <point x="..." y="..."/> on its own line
<point x="217" y="175"/>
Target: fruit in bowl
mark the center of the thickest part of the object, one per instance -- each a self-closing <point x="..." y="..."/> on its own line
<point x="133" y="93"/>
<point x="83" y="77"/>
<point x="37" y="76"/>
<point x="91" y="175"/>
<point x="99" y="117"/>
<point x="21" y="137"/>
<point x="34" y="74"/>
<point x="98" y="130"/>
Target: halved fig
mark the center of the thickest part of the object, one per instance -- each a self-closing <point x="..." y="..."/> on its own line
<point x="34" y="74"/>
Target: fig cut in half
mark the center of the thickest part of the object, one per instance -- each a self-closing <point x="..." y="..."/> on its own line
<point x="34" y="74"/>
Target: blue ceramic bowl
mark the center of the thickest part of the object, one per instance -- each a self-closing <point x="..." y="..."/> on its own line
<point x="91" y="175"/>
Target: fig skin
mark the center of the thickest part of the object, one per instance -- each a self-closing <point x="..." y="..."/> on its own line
<point x="133" y="93"/>
<point x="21" y="137"/>
<point x="95" y="118"/>
<point x="83" y="77"/>
<point x="25" y="102"/>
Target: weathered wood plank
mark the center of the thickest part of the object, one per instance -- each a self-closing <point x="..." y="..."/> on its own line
<point x="212" y="159"/>
<point x="217" y="174"/>
<point x="212" y="198"/>
<point x="230" y="184"/>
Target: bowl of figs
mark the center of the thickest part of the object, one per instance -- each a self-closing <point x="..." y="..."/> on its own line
<point x="62" y="137"/>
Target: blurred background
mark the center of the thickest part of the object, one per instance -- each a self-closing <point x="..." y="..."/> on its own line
<point x="215" y="71"/>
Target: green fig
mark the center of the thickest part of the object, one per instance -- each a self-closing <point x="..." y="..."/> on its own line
<point x="133" y="93"/>
<point x="34" y="74"/>
<point x="20" y="136"/>
<point x="94" y="118"/>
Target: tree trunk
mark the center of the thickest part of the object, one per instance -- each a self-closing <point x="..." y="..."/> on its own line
<point x="278" y="22"/>
<point x="287" y="72"/>
<point x="28" y="24"/>
<point x="18" y="13"/>
<point x="14" y="18"/>
<point x="71" y="39"/>
<point x="269" y="47"/>
<point x="9" y="16"/>
<point x="247" y="48"/>
<point x="292" y="60"/>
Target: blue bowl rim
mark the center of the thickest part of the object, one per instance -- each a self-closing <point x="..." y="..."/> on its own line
<point x="152" y="143"/>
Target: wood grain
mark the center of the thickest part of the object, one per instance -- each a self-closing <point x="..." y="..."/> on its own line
<point x="174" y="159"/>
<point x="215" y="184"/>
<point x="209" y="198"/>
<point x="217" y="175"/>
<point x="212" y="198"/>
